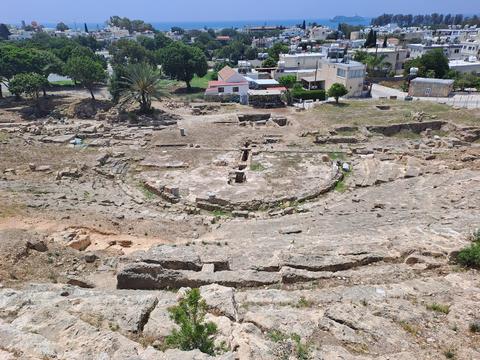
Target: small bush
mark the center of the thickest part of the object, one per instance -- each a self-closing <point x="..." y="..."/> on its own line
<point x="302" y="349"/>
<point x="277" y="336"/>
<point x="289" y="347"/>
<point x="470" y="256"/>
<point x="194" y="333"/>
<point x="304" y="303"/>
<point x="221" y="214"/>
<point x="412" y="329"/>
<point x="475" y="327"/>
<point x="445" y="309"/>
<point x="449" y="354"/>
<point x="476" y="236"/>
<point x="256" y="167"/>
<point x="308" y="94"/>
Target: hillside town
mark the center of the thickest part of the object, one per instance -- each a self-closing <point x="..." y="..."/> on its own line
<point x="308" y="190"/>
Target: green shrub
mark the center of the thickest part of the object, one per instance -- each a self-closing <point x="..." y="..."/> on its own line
<point x="302" y="349"/>
<point x="475" y="327"/>
<point x="470" y="256"/>
<point x="449" y="353"/>
<point x="337" y="91"/>
<point x="445" y="309"/>
<point x="308" y="94"/>
<point x="257" y="167"/>
<point x="277" y="336"/>
<point x="194" y="333"/>
<point x="288" y="81"/>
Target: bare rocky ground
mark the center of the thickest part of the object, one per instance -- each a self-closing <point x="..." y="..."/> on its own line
<point x="324" y="234"/>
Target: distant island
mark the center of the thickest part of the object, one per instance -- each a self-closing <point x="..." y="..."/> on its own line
<point x="348" y="19"/>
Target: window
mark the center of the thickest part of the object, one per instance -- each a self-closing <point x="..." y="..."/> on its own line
<point x="457" y="51"/>
<point x="221" y="90"/>
<point x="355" y="74"/>
<point x="341" y="72"/>
<point x="235" y="89"/>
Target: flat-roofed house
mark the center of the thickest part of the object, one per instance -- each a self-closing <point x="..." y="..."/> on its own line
<point x="351" y="74"/>
<point x="426" y="87"/>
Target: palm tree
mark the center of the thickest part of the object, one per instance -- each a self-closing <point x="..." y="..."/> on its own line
<point x="375" y="63"/>
<point x="143" y="83"/>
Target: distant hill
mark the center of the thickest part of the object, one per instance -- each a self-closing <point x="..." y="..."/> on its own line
<point x="348" y="19"/>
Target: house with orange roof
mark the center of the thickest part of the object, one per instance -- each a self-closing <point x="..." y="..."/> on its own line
<point x="230" y="85"/>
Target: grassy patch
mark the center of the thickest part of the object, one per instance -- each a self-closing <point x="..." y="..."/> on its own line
<point x="302" y="349"/>
<point x="277" y="336"/>
<point x="146" y="192"/>
<point x="361" y="112"/>
<point x="62" y="83"/>
<point x="304" y="303"/>
<point x="11" y="209"/>
<point x="347" y="132"/>
<point x="341" y="185"/>
<point x="4" y="136"/>
<point x="411" y="329"/>
<point x="257" y="167"/>
<point x="201" y="82"/>
<point x="221" y="214"/>
<point x="440" y="308"/>
<point x="408" y="135"/>
<point x="337" y="156"/>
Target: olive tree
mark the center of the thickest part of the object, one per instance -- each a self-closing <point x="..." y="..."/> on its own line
<point x="85" y="71"/>
<point x="337" y="91"/>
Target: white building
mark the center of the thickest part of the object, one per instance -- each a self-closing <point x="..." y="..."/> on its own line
<point x="229" y="83"/>
<point x="451" y="51"/>
<point x="316" y="71"/>
<point x="470" y="48"/>
<point x="19" y="34"/>
<point x="395" y="56"/>
<point x="319" y="33"/>
<point x="292" y="32"/>
<point x="471" y="65"/>
<point x="301" y="61"/>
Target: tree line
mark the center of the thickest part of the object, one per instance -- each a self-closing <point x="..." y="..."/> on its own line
<point x="432" y="20"/>
<point x="26" y="65"/>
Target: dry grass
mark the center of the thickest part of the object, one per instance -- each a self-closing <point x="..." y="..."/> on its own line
<point x="365" y="112"/>
<point x="440" y="308"/>
<point x="9" y="209"/>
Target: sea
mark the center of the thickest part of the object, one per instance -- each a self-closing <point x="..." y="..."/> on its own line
<point x="238" y="24"/>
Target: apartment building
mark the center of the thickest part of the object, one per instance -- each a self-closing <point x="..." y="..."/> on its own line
<point x="395" y="56"/>
<point x="316" y="71"/>
<point x="471" y="48"/>
<point x="452" y="51"/>
<point x="319" y="33"/>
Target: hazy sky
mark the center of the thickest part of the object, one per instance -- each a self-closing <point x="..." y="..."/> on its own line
<point x="14" y="11"/>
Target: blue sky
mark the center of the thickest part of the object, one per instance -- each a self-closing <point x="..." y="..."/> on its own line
<point x="14" y="11"/>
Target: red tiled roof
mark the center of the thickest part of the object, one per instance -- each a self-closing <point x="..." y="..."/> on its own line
<point x="226" y="73"/>
<point x="225" y="83"/>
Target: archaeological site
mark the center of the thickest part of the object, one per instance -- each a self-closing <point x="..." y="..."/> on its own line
<point x="340" y="232"/>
